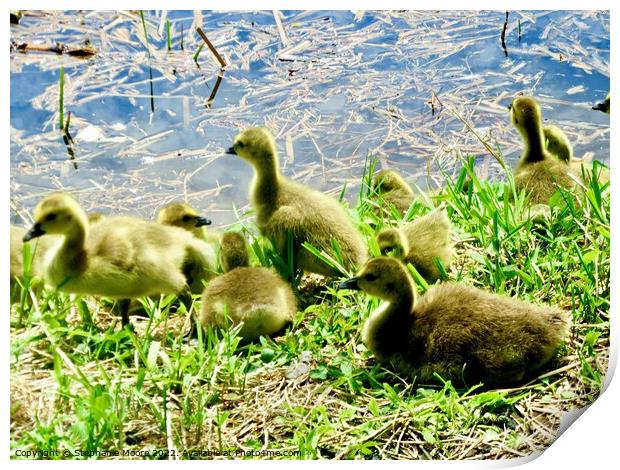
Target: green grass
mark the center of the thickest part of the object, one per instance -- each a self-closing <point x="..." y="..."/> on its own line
<point x="168" y="36"/>
<point x="197" y="53"/>
<point x="61" y="99"/>
<point x="81" y="384"/>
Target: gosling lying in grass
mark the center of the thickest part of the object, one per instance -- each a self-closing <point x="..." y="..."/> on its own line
<point x="538" y="171"/>
<point x="285" y="207"/>
<point x="256" y="297"/>
<point x="463" y="334"/>
<point x="420" y="242"/>
<point x="186" y="217"/>
<point x="118" y="257"/>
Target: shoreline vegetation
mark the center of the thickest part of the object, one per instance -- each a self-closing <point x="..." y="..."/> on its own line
<point x="316" y="389"/>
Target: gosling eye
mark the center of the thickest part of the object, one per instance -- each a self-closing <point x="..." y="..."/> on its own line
<point x="371" y="277"/>
<point x="240" y="144"/>
<point x="50" y="217"/>
<point x="186" y="218"/>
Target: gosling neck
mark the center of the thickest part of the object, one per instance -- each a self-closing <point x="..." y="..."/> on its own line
<point x="406" y="296"/>
<point x="266" y="181"/>
<point x="388" y="325"/>
<point x="71" y="256"/>
<point x="534" y="141"/>
<point x="199" y="232"/>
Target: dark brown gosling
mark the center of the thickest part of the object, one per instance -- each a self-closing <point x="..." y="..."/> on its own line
<point x="463" y="334"/>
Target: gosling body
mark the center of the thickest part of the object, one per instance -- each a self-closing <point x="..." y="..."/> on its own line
<point x="283" y="206"/>
<point x="538" y="172"/>
<point x="257" y="298"/>
<point x="420" y="242"/>
<point x="461" y="333"/>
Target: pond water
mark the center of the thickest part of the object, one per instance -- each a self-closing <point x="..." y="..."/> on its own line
<point x="333" y="86"/>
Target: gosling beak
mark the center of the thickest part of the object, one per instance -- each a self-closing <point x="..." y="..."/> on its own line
<point x="231" y="151"/>
<point x="509" y="106"/>
<point x="349" y="284"/>
<point x="200" y="221"/>
<point x="34" y="232"/>
<point x="600" y="107"/>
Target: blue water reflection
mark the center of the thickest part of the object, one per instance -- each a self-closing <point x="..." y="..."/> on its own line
<point x="357" y="83"/>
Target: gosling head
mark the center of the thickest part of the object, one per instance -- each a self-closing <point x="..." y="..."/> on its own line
<point x="526" y="115"/>
<point x="392" y="243"/>
<point x="382" y="277"/>
<point x="233" y="251"/>
<point x="388" y="180"/>
<point x="183" y="216"/>
<point x="255" y="145"/>
<point x="57" y="214"/>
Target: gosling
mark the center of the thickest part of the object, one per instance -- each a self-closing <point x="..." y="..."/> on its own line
<point x="256" y="297"/>
<point x="420" y="242"/>
<point x="461" y="333"/>
<point x="118" y="257"/>
<point x="393" y="190"/>
<point x="538" y="172"/>
<point x="186" y="217"/>
<point x="559" y="146"/>
<point x="17" y="260"/>
<point x="558" y="143"/>
<point x="285" y="207"/>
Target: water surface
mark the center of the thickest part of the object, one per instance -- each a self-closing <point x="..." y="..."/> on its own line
<point x="346" y="84"/>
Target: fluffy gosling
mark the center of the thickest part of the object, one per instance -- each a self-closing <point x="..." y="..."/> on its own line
<point x="464" y="334"/>
<point x="118" y="257"/>
<point x="186" y="217"/>
<point x="420" y="242"/>
<point x="256" y="297"/>
<point x="283" y="206"/>
<point x="393" y="190"/>
<point x="558" y="143"/>
<point x="39" y="250"/>
<point x="538" y="171"/>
